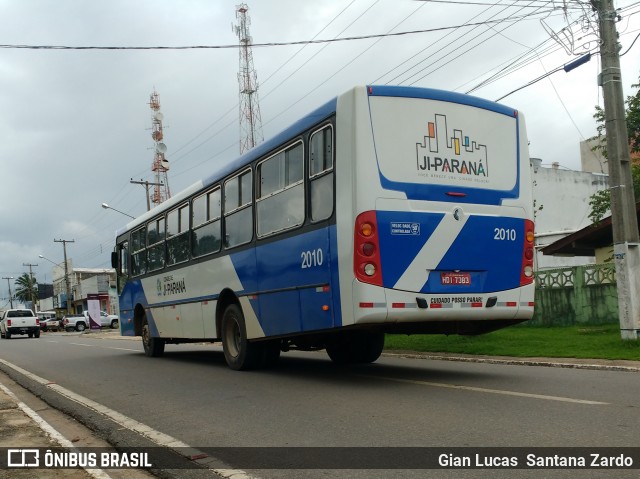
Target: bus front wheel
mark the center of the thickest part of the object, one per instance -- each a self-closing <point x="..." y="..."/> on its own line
<point x="239" y="353"/>
<point x="153" y="347"/>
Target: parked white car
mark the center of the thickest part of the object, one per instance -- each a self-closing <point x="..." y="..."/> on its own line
<point x="106" y="320"/>
<point x="80" y="322"/>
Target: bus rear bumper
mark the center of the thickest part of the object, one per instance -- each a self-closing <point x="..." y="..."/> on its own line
<point x="394" y="308"/>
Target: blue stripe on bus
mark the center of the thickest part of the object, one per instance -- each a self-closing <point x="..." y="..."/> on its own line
<point x="494" y="264"/>
<point x="286" y="274"/>
<point x="289" y="276"/>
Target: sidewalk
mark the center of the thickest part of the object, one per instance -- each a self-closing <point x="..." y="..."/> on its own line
<point x="21" y="427"/>
<point x="24" y="427"/>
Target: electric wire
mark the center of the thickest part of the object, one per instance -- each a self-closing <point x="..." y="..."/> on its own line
<point x="457" y="56"/>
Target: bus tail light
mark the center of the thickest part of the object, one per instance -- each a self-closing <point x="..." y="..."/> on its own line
<point x="526" y="273"/>
<point x="366" y="257"/>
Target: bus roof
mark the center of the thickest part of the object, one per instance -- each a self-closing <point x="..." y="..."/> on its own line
<point x="441" y="95"/>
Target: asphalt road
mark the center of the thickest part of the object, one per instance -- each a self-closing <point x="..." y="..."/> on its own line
<point x="306" y="401"/>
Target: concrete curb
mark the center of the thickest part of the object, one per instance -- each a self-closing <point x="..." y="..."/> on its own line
<point x="595" y="364"/>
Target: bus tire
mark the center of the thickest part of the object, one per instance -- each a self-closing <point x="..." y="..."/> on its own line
<point x="339" y="350"/>
<point x="153" y="347"/>
<point x="239" y="353"/>
<point x="356" y="347"/>
<point x="369" y="346"/>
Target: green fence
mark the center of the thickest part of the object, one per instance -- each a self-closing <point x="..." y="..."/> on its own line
<point x="578" y="295"/>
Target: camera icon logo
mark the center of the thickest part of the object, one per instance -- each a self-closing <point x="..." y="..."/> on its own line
<point x="23" y="458"/>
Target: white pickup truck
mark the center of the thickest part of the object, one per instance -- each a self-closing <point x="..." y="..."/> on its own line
<point x="80" y="322"/>
<point x="19" y="321"/>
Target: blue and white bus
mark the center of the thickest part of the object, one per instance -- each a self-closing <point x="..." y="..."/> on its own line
<point x="386" y="210"/>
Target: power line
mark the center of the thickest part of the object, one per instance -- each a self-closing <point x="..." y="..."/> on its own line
<point x="466" y="51"/>
<point x="257" y="45"/>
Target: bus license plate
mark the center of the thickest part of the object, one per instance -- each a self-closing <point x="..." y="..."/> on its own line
<point x="454" y="279"/>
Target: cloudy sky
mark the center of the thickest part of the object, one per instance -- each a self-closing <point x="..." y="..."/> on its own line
<point x="75" y="124"/>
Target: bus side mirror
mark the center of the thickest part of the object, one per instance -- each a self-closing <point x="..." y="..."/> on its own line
<point x="114" y="259"/>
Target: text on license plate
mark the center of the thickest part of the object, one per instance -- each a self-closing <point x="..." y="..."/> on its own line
<point x="455" y="278"/>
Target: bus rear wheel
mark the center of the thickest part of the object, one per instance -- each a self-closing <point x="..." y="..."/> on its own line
<point x="153" y="347"/>
<point x="239" y="353"/>
<point x="356" y="347"/>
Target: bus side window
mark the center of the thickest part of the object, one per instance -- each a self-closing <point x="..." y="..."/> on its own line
<point x="123" y="265"/>
<point x="280" y="191"/>
<point x="155" y="244"/>
<point x="139" y="256"/>
<point x="205" y="223"/>
<point x="178" y="235"/>
<point x="321" y="174"/>
<point x="238" y="210"/>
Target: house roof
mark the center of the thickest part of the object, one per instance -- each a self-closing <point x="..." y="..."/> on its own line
<point x="584" y="242"/>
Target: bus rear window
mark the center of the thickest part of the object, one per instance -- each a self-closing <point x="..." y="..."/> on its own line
<point x="441" y="143"/>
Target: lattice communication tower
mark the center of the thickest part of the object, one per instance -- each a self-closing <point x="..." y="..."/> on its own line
<point x="250" y="119"/>
<point x="160" y="164"/>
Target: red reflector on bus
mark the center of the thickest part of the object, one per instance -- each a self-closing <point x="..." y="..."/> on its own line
<point x="366" y="305"/>
<point x="436" y="306"/>
<point x="511" y="304"/>
<point x="476" y="305"/>
<point x="456" y="193"/>
<point x="398" y="305"/>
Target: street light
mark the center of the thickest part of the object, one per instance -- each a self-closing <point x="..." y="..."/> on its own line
<point x="9" y="284"/>
<point x="107" y="207"/>
<point x="42" y="257"/>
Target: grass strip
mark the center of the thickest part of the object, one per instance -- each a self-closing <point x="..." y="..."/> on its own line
<point x="597" y="342"/>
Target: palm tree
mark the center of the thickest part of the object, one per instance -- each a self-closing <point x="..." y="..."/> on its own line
<point x="26" y="288"/>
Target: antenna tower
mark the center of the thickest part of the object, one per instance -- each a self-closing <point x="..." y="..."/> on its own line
<point x="250" y="119"/>
<point x="160" y="164"/>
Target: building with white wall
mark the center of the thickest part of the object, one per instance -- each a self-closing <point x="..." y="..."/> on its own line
<point x="561" y="200"/>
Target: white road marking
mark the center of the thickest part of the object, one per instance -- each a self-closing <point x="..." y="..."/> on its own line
<point x="157" y="437"/>
<point x="491" y="391"/>
<point x="106" y="347"/>
<point x="48" y="428"/>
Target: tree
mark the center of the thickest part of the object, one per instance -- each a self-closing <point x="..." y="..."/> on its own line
<point x="600" y="202"/>
<point x="26" y="288"/>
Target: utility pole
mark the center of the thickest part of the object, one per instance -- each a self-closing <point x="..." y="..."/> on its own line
<point x="33" y="296"/>
<point x="146" y="185"/>
<point x="9" y="284"/>
<point x="626" y="240"/>
<point x="66" y="271"/>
